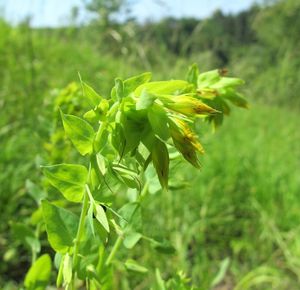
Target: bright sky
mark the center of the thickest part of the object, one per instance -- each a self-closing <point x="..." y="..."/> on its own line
<point x="57" y="12"/>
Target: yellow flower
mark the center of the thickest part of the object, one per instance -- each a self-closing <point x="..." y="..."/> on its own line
<point x="185" y="140"/>
<point x="186" y="105"/>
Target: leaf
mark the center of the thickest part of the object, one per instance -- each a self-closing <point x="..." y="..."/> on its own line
<point x="119" y="86"/>
<point x="39" y="273"/>
<point x="69" y="179"/>
<point x="61" y="226"/>
<point x="225" y="82"/>
<point x="192" y="75"/>
<point x="221" y="273"/>
<point x="160" y="158"/>
<point x="132" y="83"/>
<point x="163" y="246"/>
<point x="134" y="266"/>
<point x="126" y="175"/>
<point x="160" y="282"/>
<point x="118" y="139"/>
<point x="101" y="163"/>
<point x="173" y="87"/>
<point x="235" y="98"/>
<point x="25" y="235"/>
<point x="145" y="100"/>
<point x="132" y="132"/>
<point x="158" y="120"/>
<point x="131" y="239"/>
<point x="67" y="269"/>
<point x="35" y="191"/>
<point x="80" y="132"/>
<point x="92" y="97"/>
<point x="90" y="219"/>
<point x="207" y="79"/>
<point x="101" y="216"/>
<point x="131" y="217"/>
<point x="101" y="138"/>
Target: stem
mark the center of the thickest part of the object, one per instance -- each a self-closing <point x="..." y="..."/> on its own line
<point x="80" y="229"/>
<point x="114" y="250"/>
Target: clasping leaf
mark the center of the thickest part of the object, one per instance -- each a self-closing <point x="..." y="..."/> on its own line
<point x="80" y="132"/>
<point x="69" y="179"/>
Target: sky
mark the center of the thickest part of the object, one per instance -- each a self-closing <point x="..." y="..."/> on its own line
<point x="57" y="12"/>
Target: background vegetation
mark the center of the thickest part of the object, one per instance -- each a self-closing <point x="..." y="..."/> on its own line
<point x="235" y="224"/>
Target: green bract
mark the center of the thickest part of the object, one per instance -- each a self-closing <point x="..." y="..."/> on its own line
<point x="140" y="123"/>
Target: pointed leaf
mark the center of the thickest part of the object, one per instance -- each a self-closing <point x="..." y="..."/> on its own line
<point x="131" y="239"/>
<point x="39" y="274"/>
<point x="101" y="216"/>
<point x="192" y="75"/>
<point x="145" y="100"/>
<point x="132" y="83"/>
<point x="80" y="132"/>
<point x="91" y="95"/>
<point x="134" y="266"/>
<point x="119" y="85"/>
<point x="160" y="158"/>
<point x="67" y="269"/>
<point x="173" y="87"/>
<point x="61" y="226"/>
<point x="69" y="179"/>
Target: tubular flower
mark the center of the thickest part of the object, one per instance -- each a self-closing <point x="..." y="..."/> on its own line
<point x="186" y="105"/>
<point x="185" y="140"/>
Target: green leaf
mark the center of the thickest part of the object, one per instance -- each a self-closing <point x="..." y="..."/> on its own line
<point x="132" y="132"/>
<point x="145" y="100"/>
<point x="132" y="83"/>
<point x="101" y="216"/>
<point x="69" y="179"/>
<point x="131" y="217"/>
<point x="209" y="78"/>
<point x="173" y="87"/>
<point x="163" y="246"/>
<point x="39" y="274"/>
<point x="235" y="98"/>
<point x="67" y="269"/>
<point x="101" y="137"/>
<point x="126" y="175"/>
<point x="225" y="82"/>
<point x="119" y="86"/>
<point x="25" y="235"/>
<point x="131" y="239"/>
<point x="160" y="158"/>
<point x="80" y="132"/>
<point x="118" y="139"/>
<point x="61" y="226"/>
<point x="35" y="191"/>
<point x="90" y="218"/>
<point x="159" y="280"/>
<point x="221" y="273"/>
<point x="92" y="97"/>
<point x="158" y="120"/>
<point x="134" y="266"/>
<point x="192" y="75"/>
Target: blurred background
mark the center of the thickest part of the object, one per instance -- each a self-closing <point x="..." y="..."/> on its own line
<point x="236" y="223"/>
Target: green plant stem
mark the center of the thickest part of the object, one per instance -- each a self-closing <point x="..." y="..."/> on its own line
<point x="114" y="250"/>
<point x="80" y="228"/>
